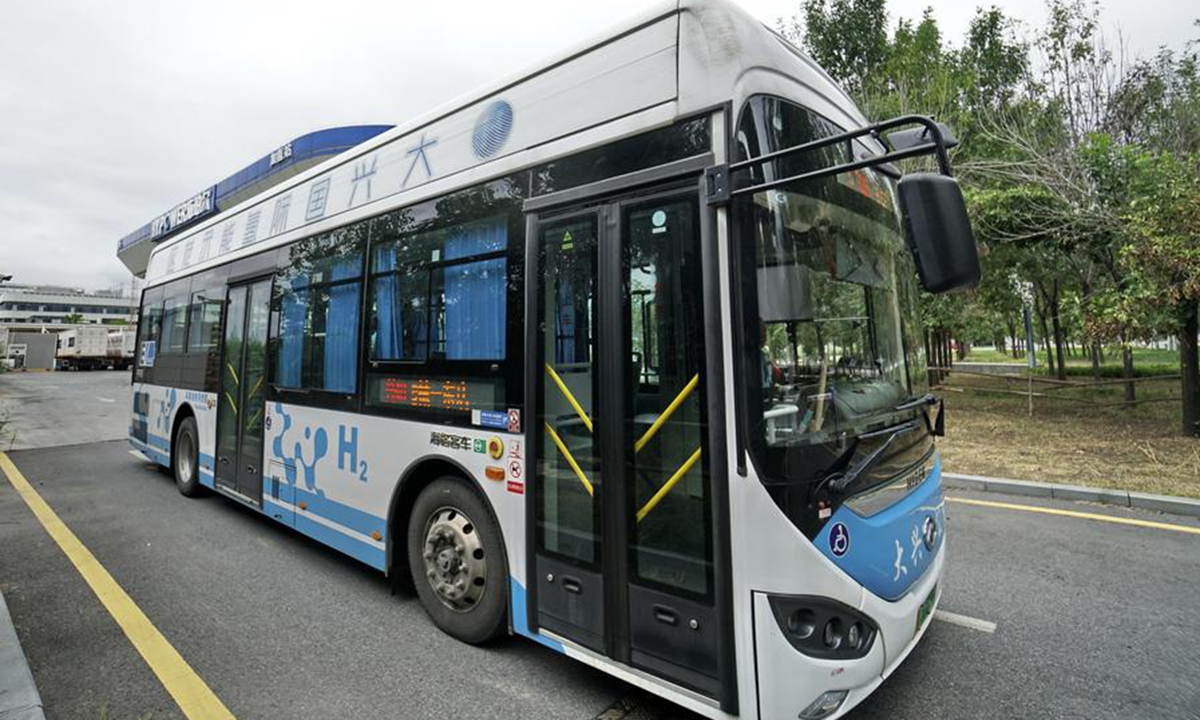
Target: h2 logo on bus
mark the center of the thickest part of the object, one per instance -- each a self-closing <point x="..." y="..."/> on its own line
<point x="316" y="445"/>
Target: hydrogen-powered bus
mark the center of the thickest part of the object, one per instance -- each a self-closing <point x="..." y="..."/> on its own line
<point x="621" y="355"/>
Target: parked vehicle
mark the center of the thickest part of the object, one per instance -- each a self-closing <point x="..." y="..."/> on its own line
<point x="95" y="348"/>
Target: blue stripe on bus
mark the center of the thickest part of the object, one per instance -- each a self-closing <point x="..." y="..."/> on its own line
<point x="520" y="617"/>
<point x="206" y="460"/>
<point x="272" y="509"/>
<point x="885" y="552"/>
<point x="349" y="517"/>
<point x="360" y="522"/>
<point x="357" y="549"/>
<point x="150" y="452"/>
<point x="158" y="442"/>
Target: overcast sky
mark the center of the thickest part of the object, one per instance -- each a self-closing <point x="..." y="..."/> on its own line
<point x="111" y="112"/>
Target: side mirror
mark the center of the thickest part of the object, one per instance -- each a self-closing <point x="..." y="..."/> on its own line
<point x="936" y="426"/>
<point x="938" y="231"/>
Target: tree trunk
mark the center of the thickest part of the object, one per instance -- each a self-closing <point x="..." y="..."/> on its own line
<point x="1040" y="309"/>
<point x="1095" y="351"/>
<point x="1058" y="333"/>
<point x="944" y="358"/>
<point x="1189" y="369"/>
<point x="1127" y="370"/>
<point x="929" y="359"/>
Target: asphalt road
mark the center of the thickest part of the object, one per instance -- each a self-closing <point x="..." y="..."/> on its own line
<point x="1093" y="620"/>
<point x="44" y="409"/>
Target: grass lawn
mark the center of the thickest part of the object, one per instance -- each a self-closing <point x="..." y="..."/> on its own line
<point x="1070" y="442"/>
<point x="1112" y="357"/>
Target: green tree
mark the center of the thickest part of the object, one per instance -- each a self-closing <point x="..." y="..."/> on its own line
<point x="1166" y="260"/>
<point x="1156" y="109"/>
<point x="848" y="38"/>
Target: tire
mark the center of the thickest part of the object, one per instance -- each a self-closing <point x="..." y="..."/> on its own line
<point x="453" y="525"/>
<point x="185" y="459"/>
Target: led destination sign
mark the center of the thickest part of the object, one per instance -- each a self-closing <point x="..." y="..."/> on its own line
<point x="444" y="394"/>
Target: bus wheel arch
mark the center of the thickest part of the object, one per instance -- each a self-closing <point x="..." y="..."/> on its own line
<point x="185" y="422"/>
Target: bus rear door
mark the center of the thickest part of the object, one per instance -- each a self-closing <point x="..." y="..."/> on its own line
<point x="241" y="405"/>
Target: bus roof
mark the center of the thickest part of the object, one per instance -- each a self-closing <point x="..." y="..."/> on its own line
<point x="672" y="60"/>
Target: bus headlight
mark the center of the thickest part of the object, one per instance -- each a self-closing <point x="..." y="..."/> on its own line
<point x="823" y="628"/>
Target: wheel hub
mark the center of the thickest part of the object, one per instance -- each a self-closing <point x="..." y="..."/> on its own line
<point x="455" y="564"/>
<point x="183" y="457"/>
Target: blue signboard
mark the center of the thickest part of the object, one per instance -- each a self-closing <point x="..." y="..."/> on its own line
<point x="491" y="419"/>
<point x="199" y="206"/>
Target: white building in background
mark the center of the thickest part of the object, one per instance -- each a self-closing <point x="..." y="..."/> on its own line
<point x="45" y="307"/>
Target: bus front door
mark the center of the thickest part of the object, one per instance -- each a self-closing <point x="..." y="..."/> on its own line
<point x="621" y="500"/>
<point x="241" y="403"/>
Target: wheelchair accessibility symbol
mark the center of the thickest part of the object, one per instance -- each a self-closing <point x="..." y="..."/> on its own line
<point x="839" y="540"/>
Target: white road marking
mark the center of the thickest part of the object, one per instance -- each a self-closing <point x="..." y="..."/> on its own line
<point x="104" y="399"/>
<point x="965" y="621"/>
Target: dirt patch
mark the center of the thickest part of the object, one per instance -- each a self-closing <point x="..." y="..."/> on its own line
<point x="1076" y="435"/>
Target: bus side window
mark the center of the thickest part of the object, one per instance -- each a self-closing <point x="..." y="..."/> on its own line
<point x="173" y="333"/>
<point x="204" y="334"/>
<point x="316" y="306"/>
<point x="174" y="326"/>
<point x="438" y="312"/>
<point x="149" y="329"/>
<point x="452" y="307"/>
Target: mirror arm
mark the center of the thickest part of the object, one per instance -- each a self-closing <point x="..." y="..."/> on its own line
<point x="719" y="179"/>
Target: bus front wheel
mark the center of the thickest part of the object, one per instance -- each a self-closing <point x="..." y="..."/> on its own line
<point x="186" y="458"/>
<point x="457" y="561"/>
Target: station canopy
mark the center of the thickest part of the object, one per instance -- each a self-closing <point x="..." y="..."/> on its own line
<point x="287" y="160"/>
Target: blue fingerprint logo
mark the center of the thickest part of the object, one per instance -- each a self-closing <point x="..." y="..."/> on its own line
<point x="492" y="129"/>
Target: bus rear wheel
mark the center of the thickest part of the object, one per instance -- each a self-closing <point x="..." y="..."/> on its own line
<point x="457" y="561"/>
<point x="185" y="458"/>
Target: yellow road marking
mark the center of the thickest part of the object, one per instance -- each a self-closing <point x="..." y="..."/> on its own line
<point x="1079" y="515"/>
<point x="194" y="697"/>
<point x="666" y="488"/>
<point x="562" y="448"/>
<point x="666" y="414"/>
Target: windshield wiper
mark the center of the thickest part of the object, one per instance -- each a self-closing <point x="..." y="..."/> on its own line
<point x="915" y="402"/>
<point x="848" y="478"/>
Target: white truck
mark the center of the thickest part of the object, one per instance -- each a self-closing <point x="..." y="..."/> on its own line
<point x="95" y="348"/>
<point x="122" y="348"/>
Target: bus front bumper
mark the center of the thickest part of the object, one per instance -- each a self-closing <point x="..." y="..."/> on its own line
<point x="789" y="682"/>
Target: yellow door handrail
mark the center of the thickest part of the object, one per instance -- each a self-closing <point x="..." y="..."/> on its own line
<point x="562" y="386"/>
<point x="668" y="485"/>
<point x="666" y="414"/>
<point x="562" y="448"/>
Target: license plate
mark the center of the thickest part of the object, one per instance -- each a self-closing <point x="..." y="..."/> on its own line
<point x="926" y="607"/>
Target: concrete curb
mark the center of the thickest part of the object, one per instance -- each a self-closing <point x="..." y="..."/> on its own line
<point x="19" y="699"/>
<point x="1123" y="498"/>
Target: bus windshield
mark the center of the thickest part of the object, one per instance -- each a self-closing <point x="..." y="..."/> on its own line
<point x="832" y="333"/>
<point x="834" y="302"/>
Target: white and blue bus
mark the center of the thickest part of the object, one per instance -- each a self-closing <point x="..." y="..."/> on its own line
<point x="621" y="355"/>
